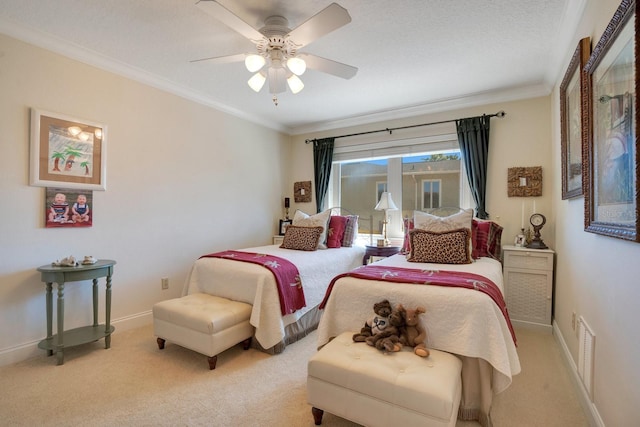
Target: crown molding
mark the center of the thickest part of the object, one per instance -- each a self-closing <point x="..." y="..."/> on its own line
<point x="73" y="51"/>
<point x="473" y="100"/>
<point x="561" y="56"/>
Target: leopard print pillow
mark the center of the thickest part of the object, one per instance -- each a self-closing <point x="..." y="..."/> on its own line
<point x="446" y="247"/>
<point x="301" y="238"/>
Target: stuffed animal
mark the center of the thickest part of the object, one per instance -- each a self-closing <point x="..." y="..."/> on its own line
<point x="376" y="323"/>
<point x="389" y="340"/>
<point x="413" y="334"/>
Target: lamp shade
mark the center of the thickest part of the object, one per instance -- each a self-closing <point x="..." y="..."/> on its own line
<point x="295" y="84"/>
<point x="386" y="203"/>
<point x="257" y="81"/>
<point x="254" y="62"/>
<point x="297" y="66"/>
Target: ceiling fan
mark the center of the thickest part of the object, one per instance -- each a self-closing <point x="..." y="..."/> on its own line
<point x="277" y="58"/>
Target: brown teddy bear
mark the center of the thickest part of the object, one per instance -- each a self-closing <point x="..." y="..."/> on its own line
<point x="389" y="340"/>
<point x="376" y="323"/>
<point x="413" y="334"/>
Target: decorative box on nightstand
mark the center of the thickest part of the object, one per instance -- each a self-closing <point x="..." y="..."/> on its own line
<point x="528" y="284"/>
<point x="277" y="240"/>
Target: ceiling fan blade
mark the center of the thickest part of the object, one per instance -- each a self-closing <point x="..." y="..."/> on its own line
<point x="221" y="59"/>
<point x="327" y="20"/>
<point x="229" y="19"/>
<point x="328" y="66"/>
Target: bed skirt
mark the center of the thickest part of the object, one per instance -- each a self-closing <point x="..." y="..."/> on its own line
<point x="477" y="393"/>
<point x="294" y="331"/>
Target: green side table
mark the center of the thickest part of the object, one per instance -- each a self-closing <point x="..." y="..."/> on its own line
<point x="63" y="339"/>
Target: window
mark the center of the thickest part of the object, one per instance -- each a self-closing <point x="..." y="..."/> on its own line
<point x="431" y="193"/>
<point x="381" y="187"/>
<point x="416" y="182"/>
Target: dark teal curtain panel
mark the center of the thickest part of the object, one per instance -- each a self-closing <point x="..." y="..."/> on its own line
<point x="322" y="158"/>
<point x="473" y="137"/>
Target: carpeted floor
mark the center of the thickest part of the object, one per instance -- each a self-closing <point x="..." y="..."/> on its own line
<point x="135" y="384"/>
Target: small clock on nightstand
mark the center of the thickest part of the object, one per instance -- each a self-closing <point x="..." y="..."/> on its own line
<point x="537" y="221"/>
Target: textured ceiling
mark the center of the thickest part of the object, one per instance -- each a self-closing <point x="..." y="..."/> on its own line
<point x="412" y="56"/>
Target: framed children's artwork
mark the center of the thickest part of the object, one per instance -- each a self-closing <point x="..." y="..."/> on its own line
<point x="67" y="152"/>
<point x="65" y="207"/>
<point x="283" y="225"/>
<point x="611" y="159"/>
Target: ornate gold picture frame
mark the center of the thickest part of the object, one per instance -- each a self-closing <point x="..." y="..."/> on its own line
<point x="611" y="164"/>
<point x="573" y="99"/>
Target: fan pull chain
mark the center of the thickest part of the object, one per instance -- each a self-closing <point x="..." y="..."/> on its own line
<point x="275" y="100"/>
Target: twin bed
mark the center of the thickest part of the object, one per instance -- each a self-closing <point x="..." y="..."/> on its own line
<point x="467" y="322"/>
<point x="255" y="285"/>
<point x="336" y="252"/>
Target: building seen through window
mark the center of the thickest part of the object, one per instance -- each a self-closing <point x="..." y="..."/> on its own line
<point x="416" y="182"/>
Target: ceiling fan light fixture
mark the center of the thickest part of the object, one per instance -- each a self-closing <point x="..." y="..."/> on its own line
<point x="295" y="84"/>
<point x="297" y="66"/>
<point x="257" y="81"/>
<point x="254" y="62"/>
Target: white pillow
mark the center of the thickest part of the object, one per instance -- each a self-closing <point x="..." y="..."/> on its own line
<point x="426" y="221"/>
<point x="321" y="219"/>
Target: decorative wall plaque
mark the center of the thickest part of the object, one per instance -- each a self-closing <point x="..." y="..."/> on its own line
<point x="524" y="182"/>
<point x="302" y="191"/>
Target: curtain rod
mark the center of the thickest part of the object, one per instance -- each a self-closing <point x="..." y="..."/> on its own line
<point x="499" y="114"/>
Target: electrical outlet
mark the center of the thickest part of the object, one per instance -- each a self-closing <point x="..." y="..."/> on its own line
<point x="573" y="320"/>
<point x="165" y="283"/>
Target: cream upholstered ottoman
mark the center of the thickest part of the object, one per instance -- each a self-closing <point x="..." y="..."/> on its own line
<point x="360" y="383"/>
<point x="204" y="323"/>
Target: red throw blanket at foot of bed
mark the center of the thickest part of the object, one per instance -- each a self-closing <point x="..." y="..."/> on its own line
<point x="428" y="277"/>
<point x="286" y="275"/>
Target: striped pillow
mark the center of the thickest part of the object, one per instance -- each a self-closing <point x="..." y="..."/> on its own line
<point x="350" y="231"/>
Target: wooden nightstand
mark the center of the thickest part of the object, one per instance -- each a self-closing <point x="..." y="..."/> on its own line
<point x="528" y="284"/>
<point x="379" y="251"/>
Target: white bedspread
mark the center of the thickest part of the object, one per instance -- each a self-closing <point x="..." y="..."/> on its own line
<point x="457" y="320"/>
<point x="255" y="285"/>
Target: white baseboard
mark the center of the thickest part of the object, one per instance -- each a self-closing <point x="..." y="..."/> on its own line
<point x="28" y="350"/>
<point x="590" y="408"/>
<point x="534" y="326"/>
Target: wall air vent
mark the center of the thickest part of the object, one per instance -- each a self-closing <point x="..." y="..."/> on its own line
<point x="586" y="353"/>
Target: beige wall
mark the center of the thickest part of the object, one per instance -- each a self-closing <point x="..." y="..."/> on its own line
<point x="179" y="184"/>
<point x="598" y="277"/>
<point x="521" y="138"/>
<point x="164" y="206"/>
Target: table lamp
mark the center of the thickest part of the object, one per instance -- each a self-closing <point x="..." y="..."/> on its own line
<point x="385" y="204"/>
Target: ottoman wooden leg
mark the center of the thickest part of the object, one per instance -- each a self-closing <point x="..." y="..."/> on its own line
<point x="317" y="415"/>
<point x="246" y="343"/>
<point x="160" y="343"/>
<point x="212" y="362"/>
